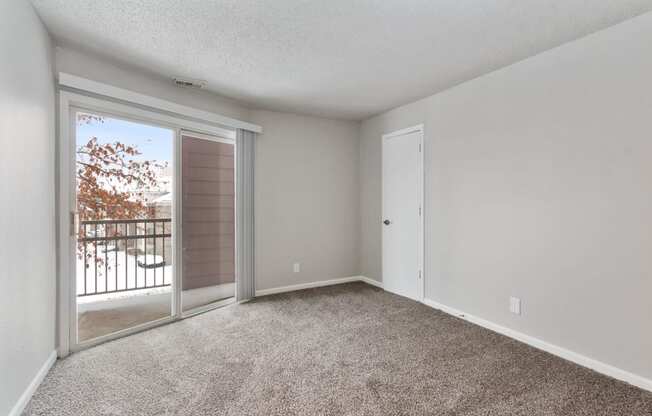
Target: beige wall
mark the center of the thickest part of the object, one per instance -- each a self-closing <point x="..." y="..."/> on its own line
<point x="539" y="185"/>
<point x="113" y="72"/>
<point x="27" y="221"/>
<point x="306" y="173"/>
<point x="306" y="199"/>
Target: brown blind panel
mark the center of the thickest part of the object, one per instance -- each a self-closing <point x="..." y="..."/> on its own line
<point x="208" y="213"/>
<point x="208" y="241"/>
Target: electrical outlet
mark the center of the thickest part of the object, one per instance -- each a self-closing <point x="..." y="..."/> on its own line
<point x="296" y="267"/>
<point x="515" y="305"/>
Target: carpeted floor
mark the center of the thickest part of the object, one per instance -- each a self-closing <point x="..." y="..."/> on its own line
<point x="342" y="350"/>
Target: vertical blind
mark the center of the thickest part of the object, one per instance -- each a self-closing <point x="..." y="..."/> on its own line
<point x="245" y="271"/>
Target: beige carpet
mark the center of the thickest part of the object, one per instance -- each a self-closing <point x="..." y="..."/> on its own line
<point x="343" y="350"/>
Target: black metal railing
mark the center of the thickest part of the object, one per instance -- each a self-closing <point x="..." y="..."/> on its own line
<point x="123" y="255"/>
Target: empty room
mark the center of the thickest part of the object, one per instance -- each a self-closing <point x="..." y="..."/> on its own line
<point x="374" y="207"/>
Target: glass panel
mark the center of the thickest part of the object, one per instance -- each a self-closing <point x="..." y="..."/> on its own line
<point x="208" y="223"/>
<point x="124" y="239"/>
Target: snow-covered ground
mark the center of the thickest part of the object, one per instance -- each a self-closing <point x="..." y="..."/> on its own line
<point x="126" y="274"/>
<point x="131" y="275"/>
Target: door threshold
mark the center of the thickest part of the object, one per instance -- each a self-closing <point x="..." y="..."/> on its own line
<point x="93" y="342"/>
<point x="206" y="308"/>
<point x="150" y="325"/>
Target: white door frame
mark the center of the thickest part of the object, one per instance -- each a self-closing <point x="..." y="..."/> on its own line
<point x="420" y="168"/>
<point x="69" y="102"/>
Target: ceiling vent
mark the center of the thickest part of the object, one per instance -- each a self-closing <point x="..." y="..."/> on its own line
<point x="189" y="82"/>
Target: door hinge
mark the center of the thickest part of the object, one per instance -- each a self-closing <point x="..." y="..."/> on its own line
<point x="419" y="274"/>
<point x="419" y="211"/>
<point x="419" y="147"/>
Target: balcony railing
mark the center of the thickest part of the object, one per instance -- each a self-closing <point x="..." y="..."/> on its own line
<point x="123" y="255"/>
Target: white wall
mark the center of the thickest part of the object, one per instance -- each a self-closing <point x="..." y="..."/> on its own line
<point x="306" y="199"/>
<point x="539" y="185"/>
<point x="27" y="227"/>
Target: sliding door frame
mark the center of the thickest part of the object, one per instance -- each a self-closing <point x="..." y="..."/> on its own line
<point x="69" y="103"/>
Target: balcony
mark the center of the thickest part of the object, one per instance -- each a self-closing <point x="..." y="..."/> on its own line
<point x="124" y="274"/>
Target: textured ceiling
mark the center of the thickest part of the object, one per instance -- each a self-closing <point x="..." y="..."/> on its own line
<point x="337" y="58"/>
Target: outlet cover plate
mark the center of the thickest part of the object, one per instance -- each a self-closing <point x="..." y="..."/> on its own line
<point x="515" y="305"/>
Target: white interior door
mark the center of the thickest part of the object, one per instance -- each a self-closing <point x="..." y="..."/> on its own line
<point x="402" y="212"/>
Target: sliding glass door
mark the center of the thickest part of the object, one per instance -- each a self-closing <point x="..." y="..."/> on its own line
<point x="208" y="220"/>
<point x="152" y="225"/>
<point x="124" y="233"/>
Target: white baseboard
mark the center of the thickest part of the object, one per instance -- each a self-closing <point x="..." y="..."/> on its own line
<point x="370" y="281"/>
<point x="31" y="389"/>
<point x="310" y="285"/>
<point x="292" y="288"/>
<point x="579" y="359"/>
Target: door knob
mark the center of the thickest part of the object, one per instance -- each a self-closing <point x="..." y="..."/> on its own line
<point x="387" y="222"/>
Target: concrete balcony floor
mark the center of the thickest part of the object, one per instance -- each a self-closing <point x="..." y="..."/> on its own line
<point x="106" y="314"/>
<point x="103" y="321"/>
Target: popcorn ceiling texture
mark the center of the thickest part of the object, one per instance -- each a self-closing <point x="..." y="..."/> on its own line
<point x="342" y="350"/>
<point x="336" y="58"/>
